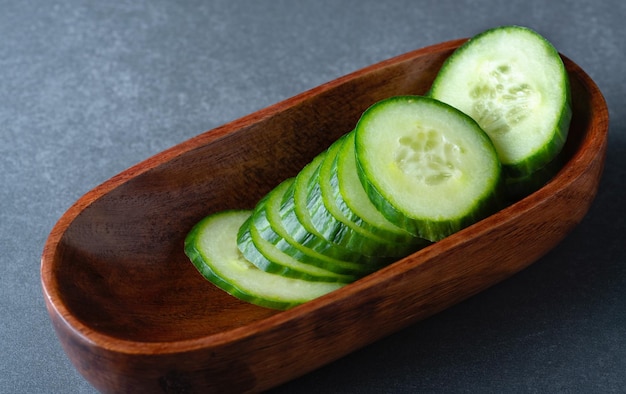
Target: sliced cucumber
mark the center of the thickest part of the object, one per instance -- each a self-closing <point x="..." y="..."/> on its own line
<point x="428" y="167"/>
<point x="354" y="203"/>
<point x="268" y="222"/>
<point x="212" y="247"/>
<point x="512" y="81"/>
<point x="415" y="170"/>
<point x="331" y="221"/>
<point x="297" y="220"/>
<point x="320" y="218"/>
<point x="269" y="258"/>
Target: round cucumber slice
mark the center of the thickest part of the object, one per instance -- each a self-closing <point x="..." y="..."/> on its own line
<point x="354" y="203"/>
<point x="428" y="167"/>
<point x="512" y="81"/>
<point x="330" y="221"/>
<point x="212" y="247"/>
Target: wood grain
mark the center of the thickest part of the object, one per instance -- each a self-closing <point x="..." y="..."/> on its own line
<point x="133" y="314"/>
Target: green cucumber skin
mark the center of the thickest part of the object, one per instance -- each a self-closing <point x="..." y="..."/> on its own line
<point x="250" y="251"/>
<point x="305" y="210"/>
<point x="306" y="235"/>
<point x="255" y="251"/>
<point x="272" y="231"/>
<point x="337" y="227"/>
<point x="431" y="229"/>
<point x="542" y="157"/>
<point x="321" y="219"/>
<point x="204" y="266"/>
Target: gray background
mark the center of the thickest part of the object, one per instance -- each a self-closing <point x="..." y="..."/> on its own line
<point x="88" y="89"/>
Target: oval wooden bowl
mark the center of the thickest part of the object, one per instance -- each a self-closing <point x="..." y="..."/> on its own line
<point x="134" y="315"/>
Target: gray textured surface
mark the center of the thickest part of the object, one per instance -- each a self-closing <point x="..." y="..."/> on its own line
<point x="88" y="89"/>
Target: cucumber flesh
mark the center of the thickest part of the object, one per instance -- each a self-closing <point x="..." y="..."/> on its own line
<point x="354" y="203"/>
<point x="212" y="247"/>
<point x="512" y="81"/>
<point x="340" y="228"/>
<point x="428" y="167"/>
<point x="320" y="218"/>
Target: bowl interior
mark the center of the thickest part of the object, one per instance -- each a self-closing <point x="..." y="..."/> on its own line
<point x="119" y="267"/>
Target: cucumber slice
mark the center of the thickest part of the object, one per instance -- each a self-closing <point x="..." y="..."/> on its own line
<point x="212" y="247"/>
<point x="297" y="221"/>
<point x="329" y="219"/>
<point x="267" y="257"/>
<point x="320" y="218"/>
<point x="268" y="222"/>
<point x="428" y="167"/>
<point x="354" y="203"/>
<point x="512" y="81"/>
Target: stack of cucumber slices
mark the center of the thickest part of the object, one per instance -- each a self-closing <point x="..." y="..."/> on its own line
<point x="414" y="170"/>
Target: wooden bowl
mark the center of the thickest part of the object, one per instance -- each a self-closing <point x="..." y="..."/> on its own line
<point x="134" y="315"/>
